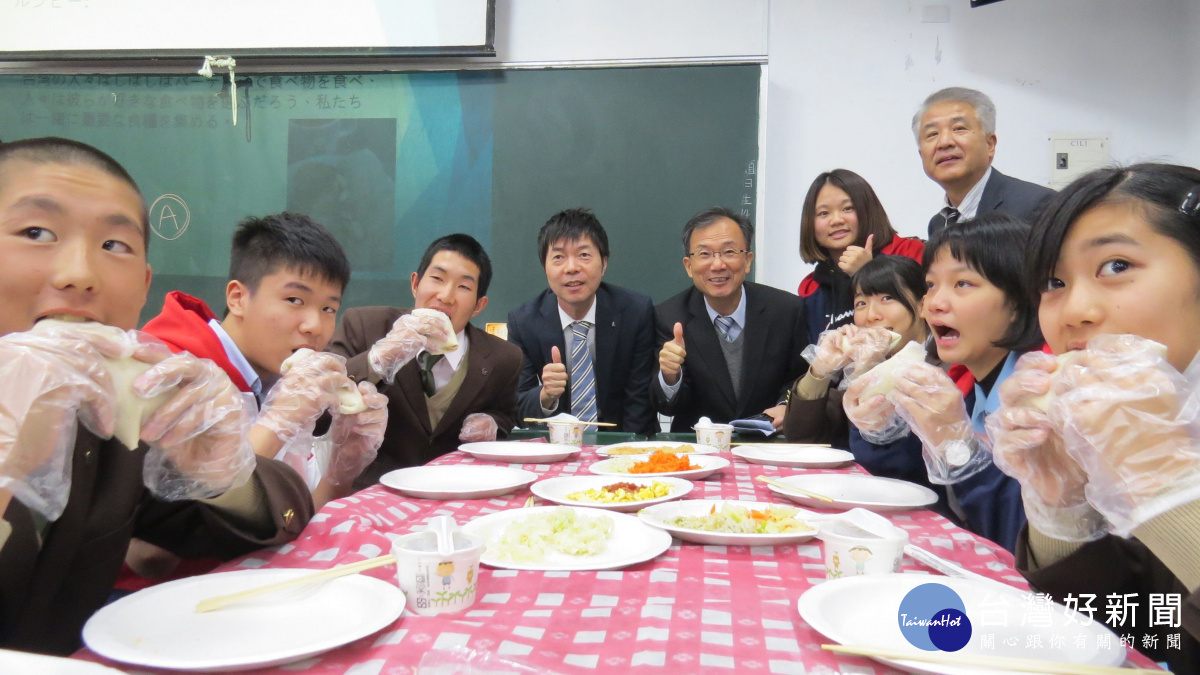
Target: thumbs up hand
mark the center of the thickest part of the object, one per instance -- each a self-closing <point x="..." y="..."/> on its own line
<point x="554" y="380"/>
<point x="670" y="359"/>
<point x="854" y="257"/>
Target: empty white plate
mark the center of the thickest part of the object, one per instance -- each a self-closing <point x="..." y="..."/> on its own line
<point x="630" y="542"/>
<point x="619" y="466"/>
<point x="556" y="490"/>
<point x="24" y="662"/>
<point x="160" y="628"/>
<point x="849" y="491"/>
<point x="647" y="447"/>
<point x="519" y="452"/>
<point x="864" y="611"/>
<point x="457" y="481"/>
<point x="795" y="455"/>
<point x="660" y="515"/>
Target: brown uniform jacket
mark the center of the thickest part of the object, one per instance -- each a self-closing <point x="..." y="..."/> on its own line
<point x="490" y="386"/>
<point x="47" y="592"/>
<point x="1112" y="565"/>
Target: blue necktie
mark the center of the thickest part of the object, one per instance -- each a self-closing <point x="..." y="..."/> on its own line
<point x="725" y="324"/>
<point x="583" y="377"/>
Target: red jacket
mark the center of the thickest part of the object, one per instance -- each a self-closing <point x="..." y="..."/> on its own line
<point x="183" y="325"/>
<point x="911" y="247"/>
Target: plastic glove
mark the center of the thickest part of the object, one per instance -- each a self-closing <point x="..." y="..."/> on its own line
<point x="831" y="353"/>
<point x="1133" y="423"/>
<point x="869" y="348"/>
<point x="410" y="335"/>
<point x="54" y="380"/>
<point x="478" y="427"/>
<point x="934" y="408"/>
<point x="198" y="436"/>
<point x="874" y="416"/>
<point x="356" y="438"/>
<point x="1025" y="446"/>
<point x="307" y="390"/>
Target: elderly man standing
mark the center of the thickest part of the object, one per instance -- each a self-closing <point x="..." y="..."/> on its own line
<point x="731" y="348"/>
<point x="955" y="130"/>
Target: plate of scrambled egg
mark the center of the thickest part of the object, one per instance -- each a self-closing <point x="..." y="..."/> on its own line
<point x="624" y="494"/>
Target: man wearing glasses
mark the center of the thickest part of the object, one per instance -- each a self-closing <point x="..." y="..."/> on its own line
<point x="731" y="347"/>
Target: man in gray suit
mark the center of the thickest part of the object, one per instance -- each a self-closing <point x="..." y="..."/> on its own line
<point x="955" y="130"/>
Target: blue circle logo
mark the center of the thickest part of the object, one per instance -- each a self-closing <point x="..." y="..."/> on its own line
<point x="932" y="617"/>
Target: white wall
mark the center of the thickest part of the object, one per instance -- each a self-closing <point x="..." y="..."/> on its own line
<point x="845" y="77"/>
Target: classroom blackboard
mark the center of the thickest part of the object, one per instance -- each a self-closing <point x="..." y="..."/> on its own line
<point x="390" y="161"/>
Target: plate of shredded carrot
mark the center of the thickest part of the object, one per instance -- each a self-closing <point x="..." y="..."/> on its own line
<point x="661" y="463"/>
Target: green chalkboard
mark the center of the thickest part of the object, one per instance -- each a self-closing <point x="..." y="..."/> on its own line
<point x="390" y="161"/>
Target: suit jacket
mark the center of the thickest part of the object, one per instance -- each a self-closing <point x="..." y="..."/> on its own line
<point x="1006" y="194"/>
<point x="774" y="336"/>
<point x="624" y="360"/>
<point x="490" y="386"/>
<point x="47" y="592"/>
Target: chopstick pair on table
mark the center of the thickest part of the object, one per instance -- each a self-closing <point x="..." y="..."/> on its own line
<point x="210" y="604"/>
<point x="576" y="422"/>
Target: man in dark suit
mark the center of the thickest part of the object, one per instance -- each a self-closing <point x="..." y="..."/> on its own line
<point x="438" y="393"/>
<point x="730" y="347"/>
<point x="617" y="326"/>
<point x="955" y="130"/>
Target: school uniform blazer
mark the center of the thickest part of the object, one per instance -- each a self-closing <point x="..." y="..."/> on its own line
<point x="1009" y="195"/>
<point x="48" y="591"/>
<point x="774" y="336"/>
<point x="624" y="361"/>
<point x="490" y="386"/>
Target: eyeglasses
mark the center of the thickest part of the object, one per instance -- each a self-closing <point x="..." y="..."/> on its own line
<point x="728" y="255"/>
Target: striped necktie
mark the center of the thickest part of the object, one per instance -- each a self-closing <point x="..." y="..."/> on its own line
<point x="583" y="376"/>
<point x="724" y="325"/>
<point x="950" y="215"/>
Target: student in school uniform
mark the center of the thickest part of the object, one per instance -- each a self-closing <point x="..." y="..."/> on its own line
<point x="287" y="275"/>
<point x="73" y="239"/>
<point x="436" y="398"/>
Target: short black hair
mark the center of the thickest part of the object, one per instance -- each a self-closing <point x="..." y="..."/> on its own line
<point x="1168" y="196"/>
<point x="711" y="215"/>
<point x="993" y="245"/>
<point x="54" y="150"/>
<point x="572" y="225"/>
<point x="896" y="275"/>
<point x="466" y="246"/>
<point x="263" y="246"/>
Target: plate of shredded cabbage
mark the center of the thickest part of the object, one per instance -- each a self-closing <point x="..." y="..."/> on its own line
<point x="566" y="538"/>
<point x="607" y="492"/>
<point x="731" y="523"/>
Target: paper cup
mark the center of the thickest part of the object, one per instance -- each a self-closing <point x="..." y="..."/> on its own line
<point x="850" y="551"/>
<point x="566" y="434"/>
<point x="433" y="583"/>
<point x="718" y="436"/>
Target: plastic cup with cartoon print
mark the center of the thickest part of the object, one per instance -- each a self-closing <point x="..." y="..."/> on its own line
<point x="566" y="432"/>
<point x="719" y="436"/>
<point x="434" y="583"/>
<point x="851" y="550"/>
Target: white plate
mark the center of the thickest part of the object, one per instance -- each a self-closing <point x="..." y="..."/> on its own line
<point x="709" y="464"/>
<point x="863" y="610"/>
<point x="556" y="490"/>
<point x="796" y="455"/>
<point x="24" y="662"/>
<point x="631" y="542"/>
<point x="650" y="446"/>
<point x="159" y="627"/>
<point x="519" y="452"/>
<point x="458" y="481"/>
<point x="850" y="490"/>
<point x="658" y="515"/>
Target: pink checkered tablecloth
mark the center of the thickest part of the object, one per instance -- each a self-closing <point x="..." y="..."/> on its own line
<point x="693" y="609"/>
